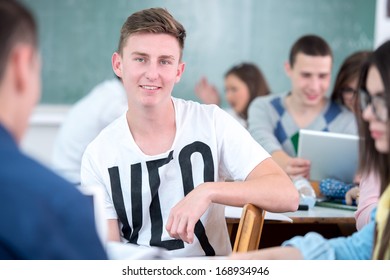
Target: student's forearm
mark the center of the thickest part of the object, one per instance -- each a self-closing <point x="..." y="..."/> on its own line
<point x="241" y="193"/>
<point x="272" y="191"/>
<point x="113" y="230"/>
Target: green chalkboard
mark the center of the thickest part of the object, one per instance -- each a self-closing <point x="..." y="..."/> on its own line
<point x="78" y="37"/>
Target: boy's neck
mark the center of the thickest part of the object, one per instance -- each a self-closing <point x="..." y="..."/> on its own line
<point x="303" y="114"/>
<point x="296" y="105"/>
<point x="153" y="129"/>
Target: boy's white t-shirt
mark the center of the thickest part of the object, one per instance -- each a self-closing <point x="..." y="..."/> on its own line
<point x="141" y="190"/>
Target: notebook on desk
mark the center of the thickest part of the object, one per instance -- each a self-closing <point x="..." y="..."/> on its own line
<point x="329" y="203"/>
<point x="235" y="212"/>
<point x="332" y="155"/>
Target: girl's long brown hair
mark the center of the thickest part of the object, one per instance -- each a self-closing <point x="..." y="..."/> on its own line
<point x="370" y="159"/>
<point x="349" y="71"/>
<point x="254" y="79"/>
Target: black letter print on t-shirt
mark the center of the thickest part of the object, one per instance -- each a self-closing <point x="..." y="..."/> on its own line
<point x="155" y="208"/>
<point x="136" y="202"/>
<point x="188" y="183"/>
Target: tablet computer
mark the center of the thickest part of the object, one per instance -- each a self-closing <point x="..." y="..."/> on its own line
<point x="332" y="155"/>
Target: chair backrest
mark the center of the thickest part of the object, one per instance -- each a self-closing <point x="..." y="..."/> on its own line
<point x="249" y="229"/>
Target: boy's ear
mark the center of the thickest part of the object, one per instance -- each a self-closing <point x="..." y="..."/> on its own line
<point x="180" y="70"/>
<point x="116" y="61"/>
<point x="287" y="68"/>
<point x="21" y="60"/>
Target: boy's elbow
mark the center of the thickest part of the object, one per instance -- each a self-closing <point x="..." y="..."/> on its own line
<point x="290" y="198"/>
<point x="293" y="201"/>
<point x="290" y="201"/>
<point x="286" y="202"/>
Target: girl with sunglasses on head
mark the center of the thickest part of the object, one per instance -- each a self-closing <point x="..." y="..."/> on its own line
<point x="373" y="240"/>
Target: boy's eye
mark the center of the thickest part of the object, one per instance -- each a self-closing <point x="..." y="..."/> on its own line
<point x="140" y="59"/>
<point x="165" y="62"/>
<point x="323" y="76"/>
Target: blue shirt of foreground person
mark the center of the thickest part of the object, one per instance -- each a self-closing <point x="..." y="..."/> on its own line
<point x="42" y="216"/>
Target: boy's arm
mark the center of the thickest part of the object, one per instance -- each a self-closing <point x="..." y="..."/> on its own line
<point x="292" y="166"/>
<point x="267" y="186"/>
<point x="113" y="230"/>
<point x="263" y="121"/>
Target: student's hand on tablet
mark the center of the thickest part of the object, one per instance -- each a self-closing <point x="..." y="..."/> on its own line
<point x="298" y="167"/>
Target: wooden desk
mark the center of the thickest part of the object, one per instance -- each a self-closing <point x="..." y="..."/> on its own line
<point x="328" y="222"/>
<point x="322" y="215"/>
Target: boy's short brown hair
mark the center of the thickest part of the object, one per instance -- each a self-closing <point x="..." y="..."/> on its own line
<point x="312" y="45"/>
<point x="153" y="20"/>
<point x="17" y="25"/>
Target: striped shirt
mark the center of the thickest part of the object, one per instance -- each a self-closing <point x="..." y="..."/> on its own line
<point x="271" y="125"/>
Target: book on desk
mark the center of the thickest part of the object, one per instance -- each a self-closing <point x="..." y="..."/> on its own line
<point x="235" y="212"/>
<point x="336" y="203"/>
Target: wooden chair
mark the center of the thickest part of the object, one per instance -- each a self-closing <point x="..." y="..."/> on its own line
<point x="249" y="229"/>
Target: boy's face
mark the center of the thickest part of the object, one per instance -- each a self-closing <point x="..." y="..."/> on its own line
<point x="149" y="67"/>
<point x="310" y="78"/>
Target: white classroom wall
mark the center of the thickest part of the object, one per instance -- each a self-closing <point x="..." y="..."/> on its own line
<point x="42" y="131"/>
<point x="382" y="22"/>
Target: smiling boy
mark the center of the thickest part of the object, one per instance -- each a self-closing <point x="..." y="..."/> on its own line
<point x="163" y="164"/>
<point x="275" y="120"/>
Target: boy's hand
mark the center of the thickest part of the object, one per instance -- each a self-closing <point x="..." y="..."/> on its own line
<point x="185" y="214"/>
<point x="298" y="167"/>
